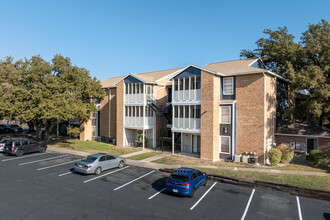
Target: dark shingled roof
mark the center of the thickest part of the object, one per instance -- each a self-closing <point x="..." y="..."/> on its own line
<point x="302" y="128"/>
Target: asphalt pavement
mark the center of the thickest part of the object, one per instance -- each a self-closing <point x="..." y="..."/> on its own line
<point x="44" y="186"/>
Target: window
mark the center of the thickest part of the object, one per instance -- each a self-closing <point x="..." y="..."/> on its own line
<point x="186" y="113"/>
<point x="109" y="157"/>
<point x="141" y="88"/>
<point x="103" y="158"/>
<point x="176" y="88"/>
<point x="181" y="111"/>
<point x="192" y="115"/>
<point x="130" y="88"/>
<point x="228" y="87"/>
<point x="17" y="143"/>
<point x="129" y="111"/>
<point x="137" y="88"/>
<point x="180" y="83"/>
<point x="198" y="111"/>
<point x="192" y="82"/>
<point x="176" y="113"/>
<point x="198" y="82"/>
<point x="126" y="88"/>
<point x="193" y="176"/>
<point x="32" y="142"/>
<point x="133" y="88"/>
<point x="24" y="143"/>
<point x="141" y="111"/>
<point x="186" y="83"/>
<point x="126" y="111"/>
<point x="225" y="115"/>
<point x="225" y="145"/>
<point x="137" y="111"/>
<point x="133" y="112"/>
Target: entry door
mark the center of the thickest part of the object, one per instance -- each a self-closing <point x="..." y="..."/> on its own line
<point x="311" y="144"/>
<point x="196" y="141"/>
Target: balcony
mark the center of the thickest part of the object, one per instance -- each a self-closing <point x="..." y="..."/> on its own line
<point x="192" y="124"/>
<point x="137" y="122"/>
<point x="187" y="95"/>
<point x="134" y="98"/>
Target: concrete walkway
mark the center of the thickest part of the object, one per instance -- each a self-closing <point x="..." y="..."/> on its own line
<point x="149" y="164"/>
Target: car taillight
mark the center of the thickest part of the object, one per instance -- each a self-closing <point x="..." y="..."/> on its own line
<point x="88" y="166"/>
<point x="12" y="148"/>
<point x="185" y="188"/>
<point x="185" y="184"/>
<point x="75" y="164"/>
<point x="167" y="184"/>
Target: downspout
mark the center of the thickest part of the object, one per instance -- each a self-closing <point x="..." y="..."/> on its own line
<point x="109" y="111"/>
<point x="264" y="117"/>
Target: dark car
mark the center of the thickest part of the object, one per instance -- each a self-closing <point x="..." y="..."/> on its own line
<point x="20" y="146"/>
<point x="15" y="128"/>
<point x="4" y="129"/>
<point x="185" y="181"/>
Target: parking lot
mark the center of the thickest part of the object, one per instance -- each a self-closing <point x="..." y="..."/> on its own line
<point x="44" y="186"/>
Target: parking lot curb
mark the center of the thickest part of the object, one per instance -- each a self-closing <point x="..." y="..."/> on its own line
<point x="294" y="190"/>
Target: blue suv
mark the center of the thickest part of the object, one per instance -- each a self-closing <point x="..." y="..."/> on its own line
<point x="185" y="181"/>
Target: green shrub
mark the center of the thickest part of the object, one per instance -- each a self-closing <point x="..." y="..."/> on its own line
<point x="275" y="156"/>
<point x="318" y="158"/>
<point x="287" y="152"/>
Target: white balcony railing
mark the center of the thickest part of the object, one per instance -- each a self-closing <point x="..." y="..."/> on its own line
<point x="187" y="95"/>
<point x="138" y="121"/>
<point x="187" y="123"/>
<point x="134" y="98"/>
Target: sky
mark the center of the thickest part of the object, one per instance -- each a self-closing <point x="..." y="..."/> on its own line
<point x="115" y="38"/>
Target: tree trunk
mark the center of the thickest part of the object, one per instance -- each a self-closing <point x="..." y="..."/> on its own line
<point x="38" y="125"/>
<point x="50" y="124"/>
<point x="31" y="126"/>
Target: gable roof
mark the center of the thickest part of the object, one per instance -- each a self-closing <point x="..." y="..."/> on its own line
<point x="111" y="82"/>
<point x="191" y="65"/>
<point x="234" y="67"/>
<point x="240" y="67"/>
<point x="302" y="128"/>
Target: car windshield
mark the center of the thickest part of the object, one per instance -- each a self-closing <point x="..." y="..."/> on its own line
<point x="90" y="159"/>
<point x="178" y="178"/>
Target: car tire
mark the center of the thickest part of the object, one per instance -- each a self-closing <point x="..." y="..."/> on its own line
<point x="98" y="171"/>
<point x="192" y="193"/>
<point x="205" y="182"/>
<point x="19" y="153"/>
<point x="121" y="164"/>
<point x="42" y="150"/>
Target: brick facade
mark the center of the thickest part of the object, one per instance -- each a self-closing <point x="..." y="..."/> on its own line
<point x="250" y="114"/>
<point x="210" y="98"/>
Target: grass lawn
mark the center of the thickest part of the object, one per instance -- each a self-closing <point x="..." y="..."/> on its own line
<point x="93" y="147"/>
<point x="313" y="182"/>
<point x="184" y="160"/>
<point x="143" y="156"/>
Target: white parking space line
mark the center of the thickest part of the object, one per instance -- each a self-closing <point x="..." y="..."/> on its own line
<point x="299" y="209"/>
<point x="36" y="161"/>
<point x="248" y="204"/>
<point x="134" y="180"/>
<point x="56" y="165"/>
<point x="64" y="174"/>
<point x="203" y="196"/>
<point x="156" y="194"/>
<point x="16" y="158"/>
<point x="86" y="181"/>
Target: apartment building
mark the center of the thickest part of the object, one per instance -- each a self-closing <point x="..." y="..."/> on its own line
<point x="216" y="111"/>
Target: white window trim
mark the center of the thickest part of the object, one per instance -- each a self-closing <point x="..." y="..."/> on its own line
<point x="228" y="142"/>
<point x="232" y="86"/>
<point x="229" y="115"/>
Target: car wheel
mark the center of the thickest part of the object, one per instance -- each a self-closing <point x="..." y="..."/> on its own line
<point x="19" y="153"/>
<point x="192" y="193"/>
<point x="42" y="150"/>
<point x="205" y="182"/>
<point x="121" y="164"/>
<point x="98" y="171"/>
